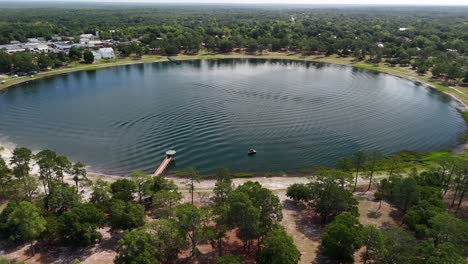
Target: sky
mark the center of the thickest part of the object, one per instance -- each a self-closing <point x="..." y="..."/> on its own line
<point x="360" y="2"/>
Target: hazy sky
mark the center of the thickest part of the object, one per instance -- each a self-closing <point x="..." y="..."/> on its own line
<point x="362" y="2"/>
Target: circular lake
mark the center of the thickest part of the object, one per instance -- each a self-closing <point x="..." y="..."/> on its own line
<point x="295" y="114"/>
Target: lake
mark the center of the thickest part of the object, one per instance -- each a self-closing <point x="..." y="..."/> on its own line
<point x="295" y="114"/>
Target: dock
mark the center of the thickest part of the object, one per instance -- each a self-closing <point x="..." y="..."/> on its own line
<point x="169" y="156"/>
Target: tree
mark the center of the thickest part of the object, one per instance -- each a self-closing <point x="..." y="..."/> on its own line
<point x="25" y="223"/>
<point x="88" y="57"/>
<point x="193" y="223"/>
<point x="169" y="239"/>
<point x="123" y="189"/>
<point x="74" y="54"/>
<point x="265" y="202"/>
<point x="243" y="214"/>
<point x="299" y="192"/>
<point x="62" y="166"/>
<point x="5" y="179"/>
<point x="20" y="161"/>
<point x="223" y="186"/>
<point x="342" y="237"/>
<point x="400" y="247"/>
<point x="44" y="61"/>
<point x="329" y="194"/>
<point x="372" y="164"/>
<point x="406" y="194"/>
<point x="79" y="174"/>
<point x="78" y="226"/>
<point x="101" y="196"/>
<point x="278" y="248"/>
<point x="359" y="158"/>
<point x="136" y="247"/>
<point x="63" y="197"/>
<point x="194" y="177"/>
<point x="164" y="203"/>
<point x="373" y="241"/>
<point x="447" y="228"/>
<point x="140" y="178"/>
<point x="126" y="215"/>
<point x="46" y="161"/>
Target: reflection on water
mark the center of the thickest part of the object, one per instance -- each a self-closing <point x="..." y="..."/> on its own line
<point x="295" y="114"/>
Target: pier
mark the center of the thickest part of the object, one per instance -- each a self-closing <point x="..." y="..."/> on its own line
<point x="169" y="156"/>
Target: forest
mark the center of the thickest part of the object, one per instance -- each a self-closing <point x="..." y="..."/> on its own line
<point x="59" y="206"/>
<point x="426" y="38"/>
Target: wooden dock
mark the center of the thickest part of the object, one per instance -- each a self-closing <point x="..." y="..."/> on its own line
<point x="169" y="155"/>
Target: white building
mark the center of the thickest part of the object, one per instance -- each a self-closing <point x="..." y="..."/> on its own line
<point x="104" y="53"/>
<point x="87" y="36"/>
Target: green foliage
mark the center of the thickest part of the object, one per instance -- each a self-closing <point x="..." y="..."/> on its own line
<point x="88" y="57"/>
<point x="228" y="259"/>
<point x="373" y="241"/>
<point x="299" y="192"/>
<point x="61" y="198"/>
<point x="126" y="215"/>
<point x="22" y="222"/>
<point x="140" y="178"/>
<point x="169" y="239"/>
<point x="79" y="174"/>
<point x="164" y="203"/>
<point x="265" y="202"/>
<point x="123" y="189"/>
<point x="78" y="226"/>
<point x="101" y="195"/>
<point x="329" y="194"/>
<point x="278" y="248"/>
<point x="342" y="237"/>
<point x="74" y="54"/>
<point x="136" y="247"/>
<point x="194" y="223"/>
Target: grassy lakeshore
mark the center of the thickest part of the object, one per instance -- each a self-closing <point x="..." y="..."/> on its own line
<point x="458" y="93"/>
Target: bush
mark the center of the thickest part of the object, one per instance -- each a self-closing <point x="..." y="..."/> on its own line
<point x="299" y="192"/>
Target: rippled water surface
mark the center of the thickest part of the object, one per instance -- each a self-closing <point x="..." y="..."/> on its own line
<point x="294" y="114"/>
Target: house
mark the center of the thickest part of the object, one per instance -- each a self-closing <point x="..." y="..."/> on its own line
<point x="97" y="55"/>
<point x="87" y="36"/>
<point x="403" y="29"/>
<point x="107" y="53"/>
<point x="104" y="53"/>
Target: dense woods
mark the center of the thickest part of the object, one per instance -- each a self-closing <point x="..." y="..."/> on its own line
<point x="425" y="38"/>
<point x="61" y="206"/>
<point x="47" y="208"/>
<point x="430" y="233"/>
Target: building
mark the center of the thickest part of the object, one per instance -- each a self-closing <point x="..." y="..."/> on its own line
<point x="87" y="36"/>
<point x="104" y="53"/>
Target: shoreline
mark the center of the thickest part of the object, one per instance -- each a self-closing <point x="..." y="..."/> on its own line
<point x="394" y="71"/>
<point x="456" y="149"/>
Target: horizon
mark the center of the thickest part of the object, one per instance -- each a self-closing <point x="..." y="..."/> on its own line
<point x="392" y="3"/>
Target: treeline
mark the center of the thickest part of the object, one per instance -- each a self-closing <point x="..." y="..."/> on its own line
<point x="423" y="38"/>
<point x="50" y="210"/>
<point x="430" y="233"/>
<point x="27" y="62"/>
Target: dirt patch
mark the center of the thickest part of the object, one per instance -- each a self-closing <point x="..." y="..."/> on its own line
<point x="103" y="252"/>
<point x="374" y="212"/>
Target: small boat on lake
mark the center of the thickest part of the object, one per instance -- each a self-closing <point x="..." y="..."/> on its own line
<point x="252" y="152"/>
